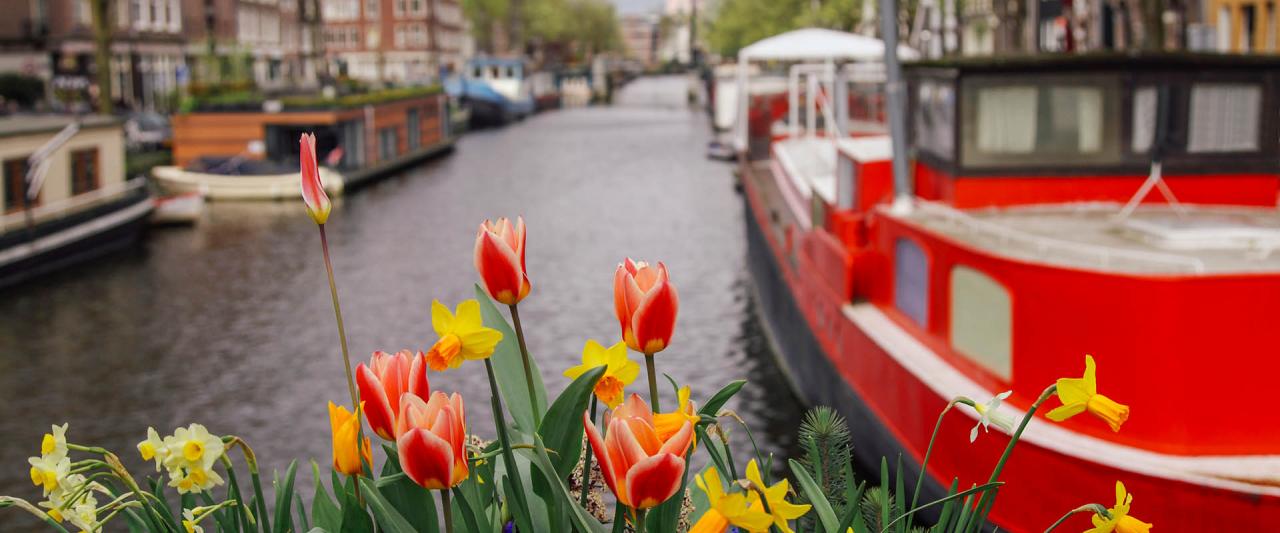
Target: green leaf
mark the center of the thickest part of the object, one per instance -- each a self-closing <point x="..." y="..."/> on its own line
<point x="523" y="520"/>
<point x="562" y="427"/>
<point x="716" y="450"/>
<point x="354" y="517"/>
<point x="284" y="498"/>
<point x="416" y="504"/>
<point x="712" y="407"/>
<point x="389" y="519"/>
<point x="475" y="521"/>
<point x="582" y="520"/>
<point x="318" y="529"/>
<point x="324" y="512"/>
<point x="853" y="513"/>
<point x="225" y="523"/>
<point x="302" y="512"/>
<point x="509" y="368"/>
<point x="826" y="515"/>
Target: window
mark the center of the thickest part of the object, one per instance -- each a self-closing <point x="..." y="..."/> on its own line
<point x="982" y="320"/>
<point x="1045" y="121"/>
<point x="371" y="8"/>
<point x="415" y="129"/>
<point x="387" y="144"/>
<point x="84" y="170"/>
<point x="911" y="281"/>
<point x="15" y="185"/>
<point x="1145" y="100"/>
<point x="846" y="183"/>
<point x="1224" y="117"/>
<point x="935" y="118"/>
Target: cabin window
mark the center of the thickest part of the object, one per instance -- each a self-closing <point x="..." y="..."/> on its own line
<point x="1046" y="121"/>
<point x="387" y="144"/>
<point x="982" y="320"/>
<point x="935" y="118"/>
<point x="1145" y="100"/>
<point x="911" y="280"/>
<point x="1224" y="117"/>
<point x="15" y="185"/>
<point x="415" y="129"/>
<point x="84" y="170"/>
<point x="846" y="184"/>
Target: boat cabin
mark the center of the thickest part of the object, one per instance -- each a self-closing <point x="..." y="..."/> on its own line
<point x="88" y="168"/>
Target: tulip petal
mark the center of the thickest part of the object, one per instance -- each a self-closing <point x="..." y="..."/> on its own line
<point x="623" y="447"/>
<point x="654" y="320"/>
<point x="426" y="458"/>
<point x="654" y="480"/>
<point x="519" y="246"/>
<point x="377" y="407"/>
<point x="313" y="194"/>
<point x="601" y="452"/>
<point x="679" y="443"/>
<point x="499" y="268"/>
<point x="418" y="383"/>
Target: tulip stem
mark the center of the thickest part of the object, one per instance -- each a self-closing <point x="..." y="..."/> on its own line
<point x="508" y="457"/>
<point x="448" y="511"/>
<point x="653" y="381"/>
<point x="528" y="369"/>
<point x="346" y="357"/>
<point x="586" y="461"/>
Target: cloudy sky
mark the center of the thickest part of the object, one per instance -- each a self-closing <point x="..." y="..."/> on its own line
<point x="637" y="6"/>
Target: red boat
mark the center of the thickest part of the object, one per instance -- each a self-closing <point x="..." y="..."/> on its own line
<point x="1037" y="230"/>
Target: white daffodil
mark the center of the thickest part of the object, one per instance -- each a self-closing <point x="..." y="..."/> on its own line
<point x="49" y="471"/>
<point x="83" y="511"/>
<point x="193" y="448"/>
<point x="84" y="514"/>
<point x="153" y="448"/>
<point x="989" y="414"/>
<point x="54" y="444"/>
<point x="195" y="480"/>
<point x="191" y="521"/>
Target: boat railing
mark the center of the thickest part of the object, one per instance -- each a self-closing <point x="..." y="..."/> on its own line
<point x="1105" y="256"/>
<point x="59" y="208"/>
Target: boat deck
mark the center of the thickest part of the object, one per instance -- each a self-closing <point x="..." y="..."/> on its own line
<point x="1154" y="239"/>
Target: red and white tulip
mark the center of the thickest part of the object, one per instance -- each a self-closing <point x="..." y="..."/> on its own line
<point x="500" y="260"/>
<point x="384" y="380"/>
<point x="646" y="304"/>
<point x="639" y="466"/>
<point x="313" y="195"/>
<point x="431" y="440"/>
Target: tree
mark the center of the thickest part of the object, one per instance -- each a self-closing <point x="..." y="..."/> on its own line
<point x="102" y="52"/>
<point x="737" y="23"/>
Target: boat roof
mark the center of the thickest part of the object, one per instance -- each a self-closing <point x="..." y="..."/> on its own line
<point x="15" y="125"/>
<point x="819" y="44"/>
<point x="1154" y="239"/>
<point x="1095" y="61"/>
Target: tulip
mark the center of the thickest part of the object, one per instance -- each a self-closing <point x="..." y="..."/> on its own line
<point x="646" y="304"/>
<point x="1119" y="521"/>
<point x="313" y="194"/>
<point x="1081" y="394"/>
<point x="430" y="436"/>
<point x="347" y="455"/>
<point x="500" y="260"/>
<point x="640" y="468"/>
<point x="382" y="383"/>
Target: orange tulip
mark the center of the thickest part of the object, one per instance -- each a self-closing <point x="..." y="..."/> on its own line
<point x="313" y="194"/>
<point x="430" y="437"/>
<point x="646" y="304"/>
<point x="346" y="432"/>
<point x="639" y="466"/>
<point x="500" y="260"/>
<point x="383" y="382"/>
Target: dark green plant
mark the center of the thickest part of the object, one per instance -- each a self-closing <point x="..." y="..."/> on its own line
<point x="827" y="453"/>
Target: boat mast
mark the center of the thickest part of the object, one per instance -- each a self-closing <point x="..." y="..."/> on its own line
<point x="894" y="91"/>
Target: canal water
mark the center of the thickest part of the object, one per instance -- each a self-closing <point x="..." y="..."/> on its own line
<point x="230" y="324"/>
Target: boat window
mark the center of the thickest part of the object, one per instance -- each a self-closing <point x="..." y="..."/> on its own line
<point x="15" y="172"/>
<point x="982" y="320"/>
<point x="1224" y="117"/>
<point x="1040" y="122"/>
<point x="935" y="118"/>
<point x="846" y="183"/>
<point x="387" y="141"/>
<point x="84" y="170"/>
<point x="1144" y="118"/>
<point x="911" y="281"/>
<point x="414" y="127"/>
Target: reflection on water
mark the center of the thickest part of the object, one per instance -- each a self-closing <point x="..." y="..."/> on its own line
<point x="229" y="324"/>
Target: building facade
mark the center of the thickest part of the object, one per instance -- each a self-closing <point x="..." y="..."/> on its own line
<point x="393" y="40"/>
<point x="640" y="37"/>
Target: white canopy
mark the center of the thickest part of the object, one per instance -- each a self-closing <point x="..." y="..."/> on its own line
<point x="818" y="44"/>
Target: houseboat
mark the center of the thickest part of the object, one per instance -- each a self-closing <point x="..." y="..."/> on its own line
<point x="252" y="154"/>
<point x="508" y="77"/>
<point x="66" y="198"/>
<point x="1118" y="206"/>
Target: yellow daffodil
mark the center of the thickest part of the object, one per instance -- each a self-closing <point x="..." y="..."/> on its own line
<point x="195" y="480"/>
<point x="54" y="443"/>
<point x="193" y="448"/>
<point x="83" y="511"/>
<point x="667" y="424"/>
<point x="1120" y="521"/>
<point x="48" y="471"/>
<point x="153" y="448"/>
<point x="191" y="520"/>
<point x="776" y="496"/>
<point x="734" y="509"/>
<point x="619" y="372"/>
<point x="1081" y="394"/>
<point x="462" y="336"/>
<point x="347" y="456"/>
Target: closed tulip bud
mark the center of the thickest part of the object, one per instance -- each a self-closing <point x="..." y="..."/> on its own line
<point x="313" y="195"/>
<point x="642" y="468"/>
<point x="347" y="454"/>
<point x="646" y="304"/>
<point x="431" y="438"/>
<point x="500" y="260"/>
<point x="383" y="381"/>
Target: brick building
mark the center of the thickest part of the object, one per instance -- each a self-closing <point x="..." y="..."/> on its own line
<point x="393" y="40"/>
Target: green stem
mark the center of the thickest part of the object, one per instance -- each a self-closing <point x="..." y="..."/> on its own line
<point x="346" y="357"/>
<point x="508" y="457"/>
<point x="586" y="461"/>
<point x="987" y="500"/>
<point x="1090" y="508"/>
<point x="653" y="382"/>
<point x="528" y="369"/>
<point x="915" y="496"/>
<point x="448" y="511"/>
<point x="640" y="525"/>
